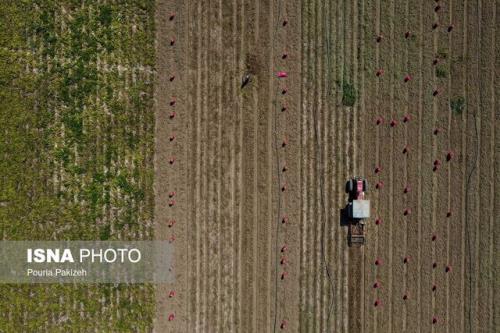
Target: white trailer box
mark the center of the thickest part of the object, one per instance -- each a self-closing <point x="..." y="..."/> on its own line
<point x="360" y="209"/>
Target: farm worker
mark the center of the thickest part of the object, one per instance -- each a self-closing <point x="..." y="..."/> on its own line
<point x="282" y="74"/>
<point x="245" y="80"/>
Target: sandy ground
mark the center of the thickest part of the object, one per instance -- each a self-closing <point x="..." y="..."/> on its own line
<point x="279" y="150"/>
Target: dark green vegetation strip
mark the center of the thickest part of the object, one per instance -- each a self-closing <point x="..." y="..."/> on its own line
<point x="76" y="148"/>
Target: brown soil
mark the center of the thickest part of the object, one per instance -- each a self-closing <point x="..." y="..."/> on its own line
<point x="232" y="191"/>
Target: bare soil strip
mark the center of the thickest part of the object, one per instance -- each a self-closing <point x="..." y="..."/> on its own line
<point x="399" y="167"/>
<point x="370" y="130"/>
<point x="486" y="59"/>
<point x="170" y="178"/>
<point x="456" y="318"/>
<point x="472" y="166"/>
<point x="413" y="155"/>
<point x="442" y="110"/>
<point x="384" y="210"/>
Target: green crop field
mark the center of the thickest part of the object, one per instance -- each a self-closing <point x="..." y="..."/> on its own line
<point x="76" y="117"/>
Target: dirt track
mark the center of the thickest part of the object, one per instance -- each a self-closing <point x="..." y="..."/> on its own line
<point x="235" y="181"/>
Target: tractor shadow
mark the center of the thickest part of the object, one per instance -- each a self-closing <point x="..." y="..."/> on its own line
<point x="344" y="219"/>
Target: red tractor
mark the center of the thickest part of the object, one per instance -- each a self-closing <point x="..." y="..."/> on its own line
<point x="358" y="209"/>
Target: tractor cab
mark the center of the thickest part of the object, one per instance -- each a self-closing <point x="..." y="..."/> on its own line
<point x="358" y="209"/>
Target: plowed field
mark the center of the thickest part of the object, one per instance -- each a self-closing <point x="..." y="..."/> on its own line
<point x="250" y="180"/>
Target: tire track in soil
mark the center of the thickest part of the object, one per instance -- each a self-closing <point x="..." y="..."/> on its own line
<point x="194" y="170"/>
<point x="335" y="235"/>
<point x="472" y="165"/>
<point x="320" y="122"/>
<point x="343" y="172"/>
<point x="362" y="120"/>
<point x="316" y="214"/>
<point x="486" y="109"/>
<point x="305" y="320"/>
<point x="321" y="139"/>
<point x="457" y="172"/>
<point x="204" y="184"/>
<point x="265" y="169"/>
<point x="214" y="83"/>
<point x="238" y="156"/>
<point x="336" y="239"/>
<point x="346" y="168"/>
<point x="355" y="287"/>
<point x="249" y="185"/>
<point x="228" y="170"/>
<point x="225" y="123"/>
<point x="369" y="135"/>
<point x="332" y="245"/>
<point x="305" y="180"/>
<point x="333" y="187"/>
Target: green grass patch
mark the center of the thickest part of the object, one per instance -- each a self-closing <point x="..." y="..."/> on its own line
<point x="441" y="72"/>
<point x="457" y="105"/>
<point x="349" y="94"/>
<point x="77" y="150"/>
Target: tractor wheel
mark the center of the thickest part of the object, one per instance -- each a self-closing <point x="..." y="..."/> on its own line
<point x="365" y="185"/>
<point x="349" y="186"/>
